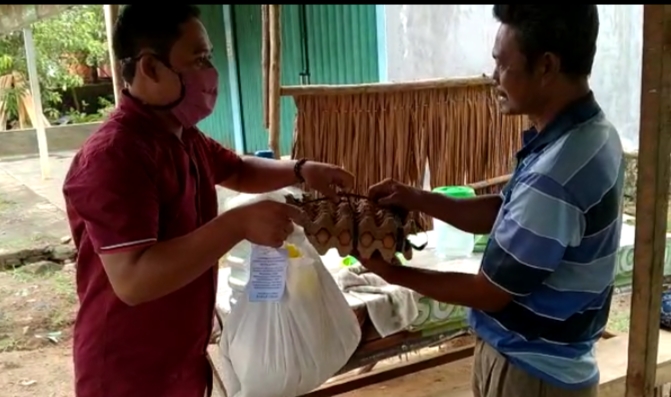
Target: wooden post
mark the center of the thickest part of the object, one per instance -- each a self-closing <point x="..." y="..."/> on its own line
<point x="651" y="200"/>
<point x="111" y="15"/>
<point x="274" y="79"/>
<point x="265" y="58"/>
<point x="38" y="120"/>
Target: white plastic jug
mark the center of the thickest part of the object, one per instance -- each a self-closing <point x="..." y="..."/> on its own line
<point x="239" y="276"/>
<point x="452" y="243"/>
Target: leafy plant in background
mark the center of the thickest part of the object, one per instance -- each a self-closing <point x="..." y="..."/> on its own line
<point x="105" y="108"/>
<point x="75" y="37"/>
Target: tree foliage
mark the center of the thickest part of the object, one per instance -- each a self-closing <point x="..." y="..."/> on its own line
<point x="77" y="36"/>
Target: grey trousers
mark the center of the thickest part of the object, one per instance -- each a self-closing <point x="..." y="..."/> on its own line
<point x="494" y="376"/>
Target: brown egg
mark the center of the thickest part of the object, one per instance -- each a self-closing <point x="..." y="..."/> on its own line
<point x="345" y="238"/>
<point x="323" y="236"/>
<point x="366" y="239"/>
<point x="389" y="242"/>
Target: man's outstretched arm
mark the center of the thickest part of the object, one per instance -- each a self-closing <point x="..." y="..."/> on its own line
<point x="525" y="249"/>
<point x="471" y="290"/>
<point x="473" y="215"/>
<point x="249" y="174"/>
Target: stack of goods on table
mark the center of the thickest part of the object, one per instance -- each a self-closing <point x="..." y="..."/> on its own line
<point x="356" y="226"/>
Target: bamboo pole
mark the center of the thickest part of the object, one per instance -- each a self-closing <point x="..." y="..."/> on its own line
<point x="378" y="88"/>
<point x="490" y="182"/>
<point x="274" y="79"/>
<point x="111" y="14"/>
<point x="265" y="58"/>
<point x="651" y="201"/>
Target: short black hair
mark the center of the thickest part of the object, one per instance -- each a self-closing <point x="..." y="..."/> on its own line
<point x="147" y="26"/>
<point x="568" y="31"/>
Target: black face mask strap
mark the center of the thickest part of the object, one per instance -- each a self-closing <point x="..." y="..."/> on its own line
<point x="164" y="60"/>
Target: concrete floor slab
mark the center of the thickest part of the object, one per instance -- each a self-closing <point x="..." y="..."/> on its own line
<point x="27" y="171"/>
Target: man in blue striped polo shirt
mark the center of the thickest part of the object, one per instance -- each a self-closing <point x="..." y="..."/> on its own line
<point x="543" y="293"/>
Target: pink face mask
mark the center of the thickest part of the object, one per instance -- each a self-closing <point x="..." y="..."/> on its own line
<point x="200" y="89"/>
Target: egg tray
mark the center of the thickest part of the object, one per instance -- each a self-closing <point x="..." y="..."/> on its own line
<point x="356" y="226"/>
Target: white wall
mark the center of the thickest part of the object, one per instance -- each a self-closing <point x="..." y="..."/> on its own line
<point x="432" y="41"/>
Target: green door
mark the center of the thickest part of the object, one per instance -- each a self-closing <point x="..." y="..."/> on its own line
<point x="332" y="44"/>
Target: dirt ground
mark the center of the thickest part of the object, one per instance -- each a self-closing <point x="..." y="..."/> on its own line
<point x="37" y="308"/>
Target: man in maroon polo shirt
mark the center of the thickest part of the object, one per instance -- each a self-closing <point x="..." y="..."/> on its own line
<point x="142" y="206"/>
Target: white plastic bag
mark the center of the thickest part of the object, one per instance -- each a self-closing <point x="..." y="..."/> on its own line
<point x="289" y="347"/>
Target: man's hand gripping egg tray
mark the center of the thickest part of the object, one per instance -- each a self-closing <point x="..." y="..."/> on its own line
<point x="354" y="225"/>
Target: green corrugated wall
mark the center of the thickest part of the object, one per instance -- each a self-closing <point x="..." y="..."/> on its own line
<point x="220" y="124"/>
<point x="247" y="19"/>
<point x="247" y="34"/>
<point x="342" y="49"/>
<point x="342" y="43"/>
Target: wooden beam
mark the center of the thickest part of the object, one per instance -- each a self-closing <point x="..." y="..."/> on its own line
<point x="402" y="369"/>
<point x="613" y="364"/>
<point x="111" y="14"/>
<point x="499" y="180"/>
<point x="376" y="88"/>
<point x="651" y="200"/>
<point x="274" y="79"/>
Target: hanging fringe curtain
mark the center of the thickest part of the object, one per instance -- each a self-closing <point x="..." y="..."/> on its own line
<point x="456" y="128"/>
<point x="453" y="126"/>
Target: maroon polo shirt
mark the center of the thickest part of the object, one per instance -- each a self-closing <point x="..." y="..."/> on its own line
<point x="132" y="184"/>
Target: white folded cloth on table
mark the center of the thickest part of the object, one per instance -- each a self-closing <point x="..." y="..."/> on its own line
<point x="390" y="307"/>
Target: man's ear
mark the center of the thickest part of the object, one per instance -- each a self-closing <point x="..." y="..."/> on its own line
<point x="147" y="67"/>
<point x="550" y="66"/>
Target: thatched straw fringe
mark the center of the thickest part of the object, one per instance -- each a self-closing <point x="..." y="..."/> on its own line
<point x="458" y="129"/>
<point x="469" y="139"/>
<point x="374" y="136"/>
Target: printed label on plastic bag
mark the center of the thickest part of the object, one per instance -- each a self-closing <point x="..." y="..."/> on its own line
<point x="267" y="273"/>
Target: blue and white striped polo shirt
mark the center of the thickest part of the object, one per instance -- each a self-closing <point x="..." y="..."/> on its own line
<point x="554" y="247"/>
